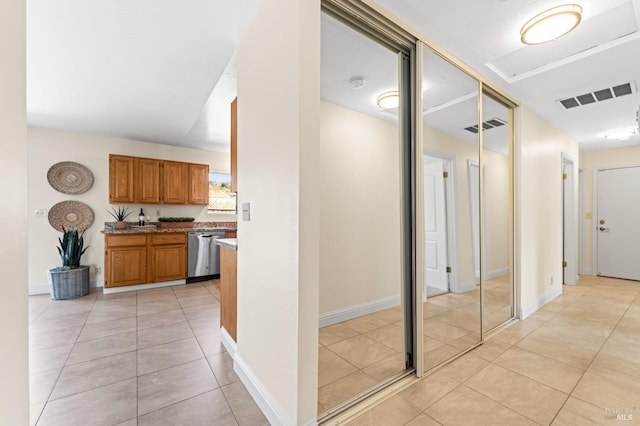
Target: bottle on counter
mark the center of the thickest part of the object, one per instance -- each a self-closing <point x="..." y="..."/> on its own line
<point x="141" y="218"/>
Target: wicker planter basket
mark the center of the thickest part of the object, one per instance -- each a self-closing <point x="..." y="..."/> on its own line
<point x="69" y="283"/>
<point x="176" y="224"/>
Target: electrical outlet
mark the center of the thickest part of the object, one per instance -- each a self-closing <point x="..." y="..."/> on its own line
<point x="40" y="212"/>
<point x="551" y="281"/>
<point x="158" y="213"/>
<point x="98" y="269"/>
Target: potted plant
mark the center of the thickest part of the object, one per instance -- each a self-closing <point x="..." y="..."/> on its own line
<point x="71" y="279"/>
<point x="120" y="214"/>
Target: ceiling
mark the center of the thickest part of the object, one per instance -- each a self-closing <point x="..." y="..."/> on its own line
<point x="165" y="72"/>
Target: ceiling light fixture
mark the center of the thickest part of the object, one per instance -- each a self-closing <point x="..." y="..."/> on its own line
<point x="388" y="100"/>
<point x="551" y="24"/>
<point x="621" y="134"/>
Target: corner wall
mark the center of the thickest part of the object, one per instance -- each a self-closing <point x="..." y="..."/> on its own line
<point x="539" y="149"/>
<point x="48" y="146"/>
<point x="278" y="115"/>
<point x="589" y="161"/>
<point x="14" y="356"/>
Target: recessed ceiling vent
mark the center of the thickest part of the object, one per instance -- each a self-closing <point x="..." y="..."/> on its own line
<point x="487" y="125"/>
<point x="598" y="95"/>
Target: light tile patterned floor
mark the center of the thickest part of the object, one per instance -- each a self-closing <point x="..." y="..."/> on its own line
<point x="576" y="361"/>
<point x="151" y="357"/>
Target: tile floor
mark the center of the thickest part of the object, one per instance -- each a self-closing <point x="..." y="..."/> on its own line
<point x="150" y="357"/>
<point x="576" y="361"/>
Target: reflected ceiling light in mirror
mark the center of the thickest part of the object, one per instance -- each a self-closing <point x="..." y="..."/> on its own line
<point x="621" y="134"/>
<point x="551" y="24"/>
<point x="388" y="100"/>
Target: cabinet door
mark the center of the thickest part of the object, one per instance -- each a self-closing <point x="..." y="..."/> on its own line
<point x="125" y="266"/>
<point x="199" y="184"/>
<point x="168" y="263"/>
<point x="148" y="180"/>
<point x="234" y="145"/>
<point x="228" y="291"/>
<point x="174" y="182"/>
<point x="121" y="180"/>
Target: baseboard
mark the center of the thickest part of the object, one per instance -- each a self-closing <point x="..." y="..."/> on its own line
<point x="587" y="271"/>
<point x="270" y="408"/>
<point x="228" y="342"/>
<point x="355" y="311"/>
<point x="496" y="273"/>
<point x="126" y="288"/>
<point x="538" y="303"/>
<point x="464" y="287"/>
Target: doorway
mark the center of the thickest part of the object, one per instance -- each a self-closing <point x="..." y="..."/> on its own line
<point x="569" y="235"/>
<point x="617" y="229"/>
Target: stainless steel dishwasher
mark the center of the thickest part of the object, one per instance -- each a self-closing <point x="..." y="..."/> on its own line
<point x="203" y="256"/>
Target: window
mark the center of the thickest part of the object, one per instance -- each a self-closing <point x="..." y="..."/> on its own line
<point x="221" y="199"/>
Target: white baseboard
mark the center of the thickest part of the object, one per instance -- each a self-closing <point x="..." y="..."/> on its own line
<point x="587" y="271"/>
<point x="126" y="288"/>
<point x="355" y="311"/>
<point x="464" y="287"/>
<point x="496" y="273"/>
<point x="228" y="342"/>
<point x="270" y="408"/>
<point x="538" y="303"/>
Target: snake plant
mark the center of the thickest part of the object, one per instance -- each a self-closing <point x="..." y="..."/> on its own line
<point x="71" y="248"/>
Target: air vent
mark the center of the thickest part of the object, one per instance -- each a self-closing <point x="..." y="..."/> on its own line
<point x="487" y="125"/>
<point x="598" y="95"/>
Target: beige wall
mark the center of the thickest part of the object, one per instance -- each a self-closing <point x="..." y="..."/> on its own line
<point x="497" y="206"/>
<point x="14" y="374"/>
<point x="47" y="147"/>
<point x="278" y="110"/>
<point x="589" y="161"/>
<point x="539" y="186"/>
<point x="359" y="209"/>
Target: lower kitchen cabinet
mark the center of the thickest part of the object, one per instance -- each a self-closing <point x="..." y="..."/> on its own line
<point x="142" y="259"/>
<point x="228" y="291"/>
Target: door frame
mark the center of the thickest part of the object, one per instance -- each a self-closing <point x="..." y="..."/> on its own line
<point x="569" y="236"/>
<point x="449" y="165"/>
<point x="594" y="221"/>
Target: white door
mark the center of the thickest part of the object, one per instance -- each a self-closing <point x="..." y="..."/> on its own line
<point x="435" y="225"/>
<point x="617" y="224"/>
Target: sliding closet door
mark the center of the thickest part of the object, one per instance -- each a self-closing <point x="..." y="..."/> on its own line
<point x="365" y="331"/>
<point x="451" y="211"/>
<point x="497" y="190"/>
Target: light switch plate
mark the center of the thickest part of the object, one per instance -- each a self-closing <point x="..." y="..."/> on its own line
<point x="246" y="211"/>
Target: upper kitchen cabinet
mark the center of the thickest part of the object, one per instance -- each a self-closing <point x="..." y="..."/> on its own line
<point x="174" y="182"/>
<point x="121" y="179"/>
<point x="153" y="181"/>
<point x="148" y="180"/>
<point x="199" y="184"/>
<point x="234" y="145"/>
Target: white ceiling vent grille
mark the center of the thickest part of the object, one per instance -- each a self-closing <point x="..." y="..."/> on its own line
<point x="487" y="125"/>
<point x="598" y="95"/>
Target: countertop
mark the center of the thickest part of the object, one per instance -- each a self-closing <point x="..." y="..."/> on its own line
<point x="148" y="229"/>
<point x="230" y="243"/>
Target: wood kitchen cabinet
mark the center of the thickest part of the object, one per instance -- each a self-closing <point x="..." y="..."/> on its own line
<point x="228" y="291"/>
<point x="153" y="181"/>
<point x="198" y="184"/>
<point x="234" y="145"/>
<point x="147" y="180"/>
<point x="168" y="257"/>
<point x="125" y="260"/>
<point x="142" y="259"/>
<point x="121" y="179"/>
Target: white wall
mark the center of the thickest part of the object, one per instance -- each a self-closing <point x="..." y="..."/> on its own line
<point x="359" y="208"/>
<point x="48" y="146"/>
<point x="278" y="110"/>
<point x="589" y="161"/>
<point x="539" y="185"/>
<point x="14" y="374"/>
<point x="497" y="205"/>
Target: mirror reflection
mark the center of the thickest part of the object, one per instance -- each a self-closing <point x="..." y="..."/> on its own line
<point x="451" y="295"/>
<point x="361" y="336"/>
<point x="497" y="263"/>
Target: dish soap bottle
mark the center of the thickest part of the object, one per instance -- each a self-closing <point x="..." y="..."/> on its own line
<point x="141" y="218"/>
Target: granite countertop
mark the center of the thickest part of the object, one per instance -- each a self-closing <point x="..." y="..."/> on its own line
<point x="154" y="228"/>
<point x="230" y="243"/>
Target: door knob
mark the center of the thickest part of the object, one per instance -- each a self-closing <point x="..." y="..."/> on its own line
<point x="602" y="228"/>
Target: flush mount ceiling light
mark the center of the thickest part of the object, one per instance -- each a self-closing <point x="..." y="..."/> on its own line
<point x="621" y="134"/>
<point x="551" y="24"/>
<point x="388" y="100"/>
